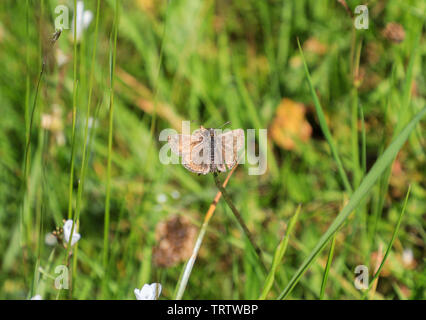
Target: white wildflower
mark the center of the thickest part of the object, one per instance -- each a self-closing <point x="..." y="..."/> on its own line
<point x="67" y="233"/>
<point x="148" y="292"/>
<point x="175" y="194"/>
<point x="83" y="20"/>
<point x="61" y="58"/>
<point x="50" y="239"/>
<point x="37" y="297"/>
<point x="161" y="198"/>
<point x="407" y="257"/>
<point x="53" y="122"/>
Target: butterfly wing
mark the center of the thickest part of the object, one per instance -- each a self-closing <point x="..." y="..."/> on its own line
<point x="180" y="144"/>
<point x="189" y="148"/>
<point x="227" y="148"/>
<point x="195" y="160"/>
<point x="202" y="168"/>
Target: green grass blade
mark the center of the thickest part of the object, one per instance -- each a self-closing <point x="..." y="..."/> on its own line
<point x="403" y="115"/>
<point x="184" y="278"/>
<point x="110" y="131"/>
<point x="367" y="183"/>
<point x="356" y="170"/>
<point x="278" y="256"/>
<point x="327" y="267"/>
<point x="363" y="143"/>
<point x="405" y="110"/>
<point x="324" y="127"/>
<point x="83" y="168"/>
<point x="74" y="118"/>
<point x="395" y="233"/>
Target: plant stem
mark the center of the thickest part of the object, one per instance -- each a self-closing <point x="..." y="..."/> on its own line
<point x="183" y="280"/>
<point x="110" y="130"/>
<point x="279" y="255"/>
<point x="240" y="219"/>
<point x="327" y="267"/>
<point x="395" y="233"/>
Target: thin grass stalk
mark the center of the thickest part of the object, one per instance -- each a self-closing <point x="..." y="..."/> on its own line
<point x="27" y="147"/>
<point x="327" y="267"/>
<point x="109" y="156"/>
<point x="253" y="116"/>
<point x="83" y="168"/>
<point x="27" y="136"/>
<point x="388" y="249"/>
<point x="363" y="143"/>
<point x="360" y="193"/>
<point x="240" y="220"/>
<point x="156" y="90"/>
<point x="73" y="142"/>
<point x="26" y="205"/>
<point x="278" y="256"/>
<point x="41" y="202"/>
<point x="183" y="280"/>
<point x="324" y="126"/>
<point x="354" y="120"/>
<point x="403" y="113"/>
<point x="74" y="117"/>
<point x="160" y="59"/>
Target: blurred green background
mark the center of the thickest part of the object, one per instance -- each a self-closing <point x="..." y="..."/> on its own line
<point x="208" y="62"/>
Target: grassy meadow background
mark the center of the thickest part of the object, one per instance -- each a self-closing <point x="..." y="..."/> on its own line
<point x="81" y="141"/>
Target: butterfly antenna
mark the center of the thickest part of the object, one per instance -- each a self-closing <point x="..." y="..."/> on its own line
<point x="227" y="122"/>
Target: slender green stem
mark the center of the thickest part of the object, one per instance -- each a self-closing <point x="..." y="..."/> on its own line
<point x="239" y="219"/>
<point x="74" y="116"/>
<point x="83" y="168"/>
<point x="327" y="267"/>
<point x="27" y="158"/>
<point x="354" y="138"/>
<point x="183" y="279"/>
<point x="27" y="136"/>
<point x="324" y="127"/>
<point x="157" y="76"/>
<point x="156" y="90"/>
<point x="363" y="143"/>
<point x="360" y="193"/>
<point x="395" y="233"/>
<point x="73" y="140"/>
<point x="110" y="135"/>
<point x="279" y="255"/>
<point x="403" y="115"/>
<point x="354" y="120"/>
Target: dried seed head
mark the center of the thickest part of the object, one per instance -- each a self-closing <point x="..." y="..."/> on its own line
<point x="176" y="237"/>
<point x="394" y="32"/>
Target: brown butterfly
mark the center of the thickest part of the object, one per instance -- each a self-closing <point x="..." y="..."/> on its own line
<point x="208" y="150"/>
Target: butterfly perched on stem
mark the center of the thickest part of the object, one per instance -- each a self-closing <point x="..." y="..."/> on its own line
<point x="208" y="150"/>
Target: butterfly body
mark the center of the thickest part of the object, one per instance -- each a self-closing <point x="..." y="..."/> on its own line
<point x="213" y="167"/>
<point x="208" y="150"/>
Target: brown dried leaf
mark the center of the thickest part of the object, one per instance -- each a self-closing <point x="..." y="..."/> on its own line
<point x="290" y="125"/>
